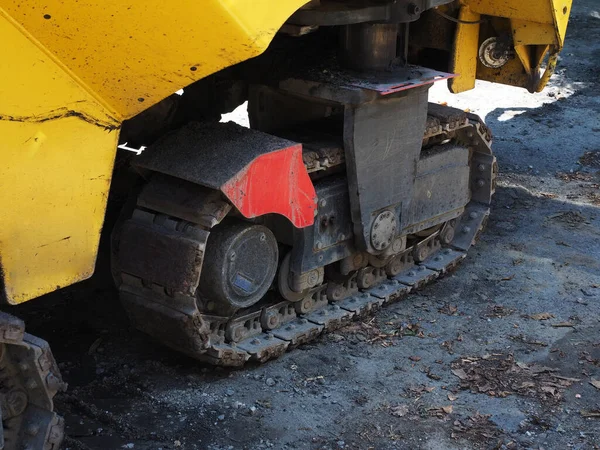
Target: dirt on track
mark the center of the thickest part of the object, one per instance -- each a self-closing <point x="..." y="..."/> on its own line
<point x="502" y="353"/>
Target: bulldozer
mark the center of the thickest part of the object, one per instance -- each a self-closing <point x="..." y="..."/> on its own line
<point x="348" y="190"/>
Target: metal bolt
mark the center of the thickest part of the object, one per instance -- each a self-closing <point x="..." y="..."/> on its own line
<point x="313" y="278"/>
<point x="269" y="336"/>
<point x="262" y="237"/>
<point x="381" y="288"/>
<point x="255" y="341"/>
<point x="421" y="268"/>
<point x="335" y="307"/>
<point x="303" y="321"/>
<point x="480" y="183"/>
<point x="473" y="215"/>
<point x="470" y="134"/>
<point x="232" y="256"/>
<point x="342" y="237"/>
<point x="31" y="383"/>
<point x="413" y="9"/>
<point x="322" y="312"/>
<point x="290" y="327"/>
<point x="481" y="167"/>
<point x="438" y="258"/>
<point x="318" y="245"/>
<point x="412" y="273"/>
<point x="465" y="230"/>
<point x="322" y="203"/>
<point x="447" y="251"/>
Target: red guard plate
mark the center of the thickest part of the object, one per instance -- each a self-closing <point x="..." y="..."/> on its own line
<point x="275" y="182"/>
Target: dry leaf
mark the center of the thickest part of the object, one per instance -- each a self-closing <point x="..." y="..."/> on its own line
<point x="447" y="409"/>
<point x="592" y="413"/>
<point x="549" y="389"/>
<point x="414" y="358"/>
<point x="460" y="373"/>
<point x="542" y="316"/>
<point x="563" y="325"/>
<point x="452" y="397"/>
<point x="399" y="411"/>
<point x="595" y="383"/>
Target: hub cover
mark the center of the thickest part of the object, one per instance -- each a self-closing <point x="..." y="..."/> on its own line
<point x="239" y="265"/>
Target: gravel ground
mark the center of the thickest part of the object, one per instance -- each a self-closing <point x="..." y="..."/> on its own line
<point x="503" y="353"/>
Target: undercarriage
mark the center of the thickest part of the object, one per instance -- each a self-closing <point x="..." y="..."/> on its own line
<point x="348" y="191"/>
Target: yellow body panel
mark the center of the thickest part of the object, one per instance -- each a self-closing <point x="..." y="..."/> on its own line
<point x="58" y="147"/>
<point x="133" y="54"/>
<point x="72" y="71"/>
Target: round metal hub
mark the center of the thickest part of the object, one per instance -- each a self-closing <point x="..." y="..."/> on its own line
<point x="239" y="266"/>
<point x="492" y="54"/>
<point x="383" y="230"/>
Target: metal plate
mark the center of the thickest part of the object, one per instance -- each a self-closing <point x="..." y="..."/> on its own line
<point x="298" y="332"/>
<point x="344" y="86"/>
<point x="225" y="355"/>
<point x="471" y="222"/>
<point x="331" y="317"/>
<point x="361" y="304"/>
<point x="264" y="347"/>
<point x="390" y="290"/>
<point x="416" y="277"/>
<point x="444" y="260"/>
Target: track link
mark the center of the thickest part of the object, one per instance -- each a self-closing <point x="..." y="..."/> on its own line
<point x="29" y="379"/>
<point x="266" y="331"/>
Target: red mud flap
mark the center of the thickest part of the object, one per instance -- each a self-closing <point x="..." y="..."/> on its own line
<point x="259" y="173"/>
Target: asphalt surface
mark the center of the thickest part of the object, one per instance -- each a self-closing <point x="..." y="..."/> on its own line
<point x="503" y="353"/>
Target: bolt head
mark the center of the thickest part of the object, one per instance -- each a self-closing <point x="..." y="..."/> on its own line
<point x="465" y="230"/>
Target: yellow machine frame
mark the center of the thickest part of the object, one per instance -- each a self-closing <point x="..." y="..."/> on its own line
<point x="72" y="72"/>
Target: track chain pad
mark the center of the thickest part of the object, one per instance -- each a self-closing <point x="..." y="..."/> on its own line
<point x="362" y="304"/>
<point x="417" y="276"/>
<point x="331" y="317"/>
<point x="444" y="260"/>
<point x="264" y="347"/>
<point x="225" y="355"/>
<point x="298" y="332"/>
<point x="390" y="290"/>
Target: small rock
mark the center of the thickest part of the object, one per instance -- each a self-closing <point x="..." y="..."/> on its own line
<point x="130" y="445"/>
<point x="177" y="443"/>
<point x="252" y="410"/>
<point x="221" y="417"/>
<point x="270" y="382"/>
<point x="336" y="337"/>
<point x="229" y="392"/>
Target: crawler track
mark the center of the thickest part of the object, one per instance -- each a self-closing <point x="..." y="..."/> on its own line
<point x="29" y="379"/>
<point x="275" y="325"/>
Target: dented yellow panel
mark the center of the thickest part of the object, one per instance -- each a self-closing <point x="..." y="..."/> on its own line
<point x="57" y="150"/>
<point x="72" y="71"/>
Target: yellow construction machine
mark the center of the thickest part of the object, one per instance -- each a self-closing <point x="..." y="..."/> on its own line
<point x="348" y="190"/>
